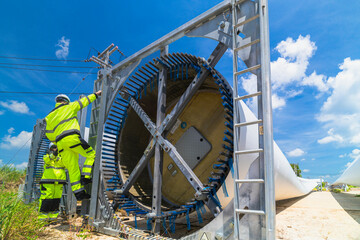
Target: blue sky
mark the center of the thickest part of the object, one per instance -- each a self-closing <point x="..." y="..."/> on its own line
<point x="314" y="53"/>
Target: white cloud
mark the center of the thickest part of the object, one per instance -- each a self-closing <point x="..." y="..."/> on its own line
<point x="313" y="159"/>
<point x="249" y="84"/>
<point x="11" y="130"/>
<point x="306" y="170"/>
<point x="355" y="153"/>
<point x="63" y="44"/>
<point x="229" y="52"/>
<point x="2" y="112"/>
<point x="331" y="138"/>
<point x="15" y="106"/>
<point x="296" y="153"/>
<point x="340" y="111"/>
<point x="21" y="165"/>
<point x="301" y="49"/>
<point x="303" y="159"/>
<point x="291" y="66"/>
<point x="277" y="102"/>
<point x="293" y="93"/>
<point x="1" y="162"/>
<point x="348" y="164"/>
<point x="318" y="81"/>
<point x="284" y="72"/>
<point x="288" y="71"/>
<point x="9" y="142"/>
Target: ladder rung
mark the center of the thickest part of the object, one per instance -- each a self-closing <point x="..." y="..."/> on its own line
<point x="246" y="21"/>
<point x="246" y="211"/>
<point x="248" y="96"/>
<point x="247" y="70"/>
<point x="247" y="45"/>
<point x="249" y="151"/>
<point x="249" y="181"/>
<point x="247" y="123"/>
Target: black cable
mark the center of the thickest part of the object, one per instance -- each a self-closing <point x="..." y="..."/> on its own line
<point x="45" y="93"/>
<point x="92" y="48"/>
<point x="44" y="59"/>
<point x="44" y="70"/>
<point x="35" y="65"/>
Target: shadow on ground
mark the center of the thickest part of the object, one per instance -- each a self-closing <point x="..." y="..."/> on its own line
<point x="349" y="203"/>
<point x="281" y="205"/>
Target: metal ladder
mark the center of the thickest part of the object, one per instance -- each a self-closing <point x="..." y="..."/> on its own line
<point x="265" y="149"/>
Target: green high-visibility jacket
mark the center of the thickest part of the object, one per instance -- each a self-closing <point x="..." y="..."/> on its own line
<point x="62" y="120"/>
<point x="54" y="170"/>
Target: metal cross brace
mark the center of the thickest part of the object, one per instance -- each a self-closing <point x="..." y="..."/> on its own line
<point x="169" y="148"/>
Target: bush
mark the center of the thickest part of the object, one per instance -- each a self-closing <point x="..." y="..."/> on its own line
<point x="336" y="190"/>
<point x="17" y="220"/>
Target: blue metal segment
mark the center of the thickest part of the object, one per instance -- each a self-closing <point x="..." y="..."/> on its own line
<point x="39" y="163"/>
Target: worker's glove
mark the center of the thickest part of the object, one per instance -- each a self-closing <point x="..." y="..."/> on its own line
<point x="82" y="195"/>
<point x="85" y="181"/>
<point x="55" y="152"/>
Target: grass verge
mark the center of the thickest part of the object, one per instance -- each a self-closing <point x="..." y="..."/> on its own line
<point x="17" y="219"/>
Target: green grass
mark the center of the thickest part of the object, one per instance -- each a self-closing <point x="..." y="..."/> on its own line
<point x="9" y="174"/>
<point x="17" y="219"/>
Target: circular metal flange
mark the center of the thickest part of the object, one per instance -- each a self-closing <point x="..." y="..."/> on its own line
<point x="126" y="137"/>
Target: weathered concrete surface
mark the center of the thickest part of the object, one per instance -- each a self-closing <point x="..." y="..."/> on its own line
<point x="319" y="215"/>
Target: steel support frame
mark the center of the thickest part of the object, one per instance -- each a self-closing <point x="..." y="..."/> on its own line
<point x="37" y="134"/>
<point x="270" y="207"/>
<point x="177" y="34"/>
<point x="108" y="83"/>
<point x="255" y="56"/>
<point x="205" y="25"/>
<point x="159" y="153"/>
<point x="94" y="210"/>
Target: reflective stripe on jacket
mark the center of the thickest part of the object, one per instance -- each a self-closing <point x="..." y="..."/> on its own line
<point x="62" y="120"/>
<point x="54" y="170"/>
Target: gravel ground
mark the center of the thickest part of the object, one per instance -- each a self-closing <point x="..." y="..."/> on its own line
<point x="72" y="229"/>
<point x="319" y="215"/>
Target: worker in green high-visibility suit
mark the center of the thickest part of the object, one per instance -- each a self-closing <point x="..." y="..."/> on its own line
<point x="62" y="127"/>
<point x="51" y="184"/>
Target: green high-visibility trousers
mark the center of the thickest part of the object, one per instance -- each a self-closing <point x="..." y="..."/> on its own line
<point x="50" y="200"/>
<point x="69" y="148"/>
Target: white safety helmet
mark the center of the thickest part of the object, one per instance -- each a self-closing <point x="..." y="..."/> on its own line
<point x="62" y="98"/>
